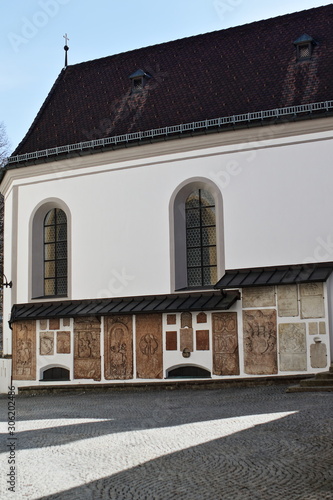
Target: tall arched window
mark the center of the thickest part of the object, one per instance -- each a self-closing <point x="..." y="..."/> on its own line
<point x="55" y="253"/>
<point x="201" y="239"/>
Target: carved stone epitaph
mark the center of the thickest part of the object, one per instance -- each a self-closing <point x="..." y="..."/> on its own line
<point x="292" y="346"/>
<point x="63" y="342"/>
<point x="287" y="300"/>
<point x="149" y="358"/>
<point x="202" y="340"/>
<point x="171" y="341"/>
<point x="186" y="339"/>
<point x="318" y="355"/>
<point x="46" y="343"/>
<point x="186" y="320"/>
<point x="258" y="296"/>
<point x="202" y="317"/>
<point x="312" y="300"/>
<point x="225" y="344"/>
<point x="24" y="350"/>
<point x="87" y="356"/>
<point x="260" y="351"/>
<point x="118" y="348"/>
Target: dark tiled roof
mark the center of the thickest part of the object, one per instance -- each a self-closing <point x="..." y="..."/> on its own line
<point x="208" y="301"/>
<point x="280" y="275"/>
<point x="239" y="70"/>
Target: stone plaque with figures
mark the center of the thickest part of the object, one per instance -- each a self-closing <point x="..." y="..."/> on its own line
<point x="202" y="340"/>
<point x="24" y="350"/>
<point x="186" y="320"/>
<point x="46" y="343"/>
<point x="63" y="342"/>
<point x="171" y="341"/>
<point x="186" y="339"/>
<point x="225" y="344"/>
<point x="318" y="355"/>
<point x="149" y="349"/>
<point x="87" y="354"/>
<point x="260" y="350"/>
<point x="287" y="299"/>
<point x="259" y="296"/>
<point x="118" y="348"/>
<point x="292" y="346"/>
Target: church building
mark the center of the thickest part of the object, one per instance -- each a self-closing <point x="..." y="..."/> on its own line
<point x="169" y="213"/>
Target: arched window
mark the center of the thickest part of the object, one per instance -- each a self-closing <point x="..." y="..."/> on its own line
<point x="201" y="239"/>
<point x="55" y="253"/>
<point x="196" y="235"/>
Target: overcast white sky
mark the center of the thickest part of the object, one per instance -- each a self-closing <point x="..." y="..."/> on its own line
<point x="31" y="31"/>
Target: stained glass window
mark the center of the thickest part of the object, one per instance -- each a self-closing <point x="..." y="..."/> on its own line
<point x="55" y="253"/>
<point x="201" y="239"/>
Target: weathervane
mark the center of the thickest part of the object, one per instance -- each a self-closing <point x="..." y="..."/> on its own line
<point x="66" y="48"/>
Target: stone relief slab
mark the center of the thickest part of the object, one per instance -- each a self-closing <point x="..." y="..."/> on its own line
<point x="225" y="344"/>
<point x="87" y="354"/>
<point x="292" y="345"/>
<point x="46" y="343"/>
<point x="24" y="350"/>
<point x="259" y="296"/>
<point x="287" y="299"/>
<point x="149" y="358"/>
<point x="186" y="339"/>
<point x="63" y="342"/>
<point x="118" y="348"/>
<point x="313" y="328"/>
<point x="318" y="355"/>
<point x="260" y="350"/>
<point x="43" y="324"/>
<point x="171" y="341"/>
<point x="66" y="322"/>
<point x="171" y="319"/>
<point x="54" y="324"/>
<point x="202" y="318"/>
<point x="186" y="320"/>
<point x="202" y="340"/>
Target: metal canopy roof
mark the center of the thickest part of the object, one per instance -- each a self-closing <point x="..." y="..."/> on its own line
<point x="208" y="301"/>
<point x="280" y="275"/>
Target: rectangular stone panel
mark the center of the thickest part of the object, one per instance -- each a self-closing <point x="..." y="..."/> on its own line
<point x="259" y="296"/>
<point x="292" y="346"/>
<point x="118" y="348"/>
<point x="43" y="324"/>
<point x="202" y="340"/>
<point x="54" y="324"/>
<point x="260" y="350"/>
<point x="63" y="342"/>
<point x="149" y="348"/>
<point x="313" y="328"/>
<point x="322" y="327"/>
<point x="318" y="355"/>
<point x="46" y="343"/>
<point x="171" y="319"/>
<point x="87" y="354"/>
<point x="312" y="307"/>
<point x="287" y="299"/>
<point x="171" y="341"/>
<point x="225" y="344"/>
<point x="186" y="339"/>
<point x="66" y="322"/>
<point x="24" y="350"/>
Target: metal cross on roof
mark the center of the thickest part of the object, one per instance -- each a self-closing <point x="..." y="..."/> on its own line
<point x="66" y="48"/>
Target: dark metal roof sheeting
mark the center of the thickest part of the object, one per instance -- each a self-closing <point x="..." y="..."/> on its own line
<point x="280" y="275"/>
<point x="208" y="301"/>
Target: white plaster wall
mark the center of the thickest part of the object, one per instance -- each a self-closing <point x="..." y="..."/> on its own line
<point x="278" y="210"/>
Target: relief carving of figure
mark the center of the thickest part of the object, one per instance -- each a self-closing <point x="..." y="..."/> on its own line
<point x="148" y="344"/>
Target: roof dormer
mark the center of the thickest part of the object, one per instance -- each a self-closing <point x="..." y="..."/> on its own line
<point x="304" y="47"/>
<point x="139" y="78"/>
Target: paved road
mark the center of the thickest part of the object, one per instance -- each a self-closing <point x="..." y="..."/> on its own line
<point x="234" y="443"/>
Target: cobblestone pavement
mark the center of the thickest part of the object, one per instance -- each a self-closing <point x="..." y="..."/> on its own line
<point x="230" y="444"/>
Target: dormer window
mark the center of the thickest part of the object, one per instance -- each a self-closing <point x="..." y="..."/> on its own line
<point x="139" y="79"/>
<point x="304" y="47"/>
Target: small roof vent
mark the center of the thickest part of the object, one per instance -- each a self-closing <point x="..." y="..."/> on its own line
<point x="304" y="47"/>
<point x="139" y="78"/>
